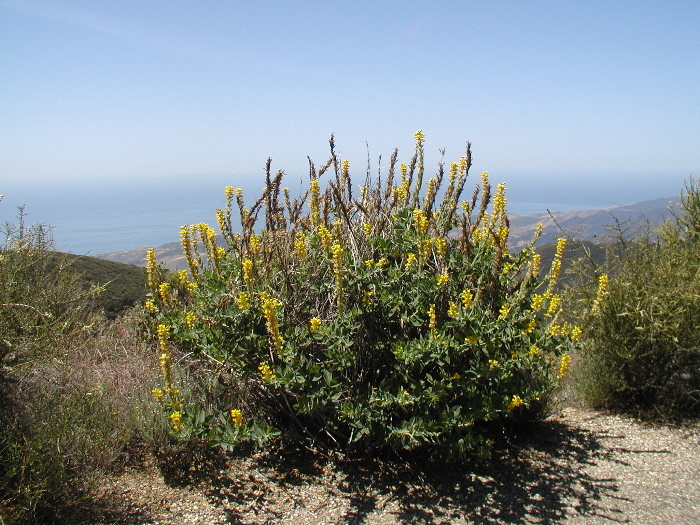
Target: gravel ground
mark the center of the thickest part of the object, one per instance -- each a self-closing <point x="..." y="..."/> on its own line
<point x="578" y="467"/>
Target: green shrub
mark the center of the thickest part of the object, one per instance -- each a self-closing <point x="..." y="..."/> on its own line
<point x="70" y="385"/>
<point x="358" y="318"/>
<point x="641" y="349"/>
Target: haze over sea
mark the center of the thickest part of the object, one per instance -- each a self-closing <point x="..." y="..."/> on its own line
<point x="106" y="216"/>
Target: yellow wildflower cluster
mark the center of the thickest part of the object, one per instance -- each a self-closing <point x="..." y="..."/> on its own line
<point x="315" y="203"/>
<point x="189" y="251"/>
<point x="243" y="301"/>
<point x="602" y="289"/>
<point x="452" y="310"/>
<point x="421" y="221"/>
<point x="515" y="403"/>
<point x="432" y="323"/>
<point x="151" y="269"/>
<point x="326" y="237"/>
<point x="367" y="228"/>
<point x="493" y="363"/>
<point x="164" y="292"/>
<point x="176" y="419"/>
<point x="314" y="324"/>
<point x="535" y="263"/>
<point x="367" y="298"/>
<point x="247" y="269"/>
<point x="190" y="319"/>
<point x="269" y="306"/>
<point x="300" y="245"/>
<point x="554" y="303"/>
<point x="503" y="312"/>
<point x="236" y="418"/>
<point x="411" y="260"/>
<point x="265" y="372"/>
<point x="556" y="264"/>
<point x="150" y="306"/>
<point x="420" y="137"/>
<point x="467" y="299"/>
<point x="564" y="364"/>
<point x="537" y="302"/>
<point x="440" y="246"/>
<point x="221" y="221"/>
<point x="472" y="339"/>
<point x="443" y="278"/>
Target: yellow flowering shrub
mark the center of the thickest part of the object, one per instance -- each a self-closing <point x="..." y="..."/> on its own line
<point x="428" y="318"/>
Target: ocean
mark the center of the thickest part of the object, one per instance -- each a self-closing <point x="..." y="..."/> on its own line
<point x="102" y="216"/>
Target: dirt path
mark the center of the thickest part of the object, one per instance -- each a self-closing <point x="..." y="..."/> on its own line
<point x="579" y="467"/>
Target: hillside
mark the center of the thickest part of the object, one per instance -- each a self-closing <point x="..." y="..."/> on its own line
<point x="124" y="284"/>
<point x="582" y="224"/>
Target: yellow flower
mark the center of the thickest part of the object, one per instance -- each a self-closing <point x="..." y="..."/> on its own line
<point x="176" y="418"/>
<point x="326" y="237"/>
<point x="151" y="269"/>
<point x="554" y="301"/>
<point x="411" y="260"/>
<point x="472" y="339"/>
<point x="190" y="319"/>
<point x="443" y="278"/>
<point x="420" y="220"/>
<point x="237" y="418"/>
<point x="300" y="245"/>
<point x="163" y="336"/>
<point x="537" y="302"/>
<point x="493" y="363"/>
<point x="531" y="325"/>
<point x="432" y="324"/>
<point x="564" y="364"/>
<point x="367" y="298"/>
<point x="576" y="333"/>
<point x="151" y="306"/>
<point x="452" y="310"/>
<point x="515" y="403"/>
<point x="503" y="312"/>
<point x="164" y="292"/>
<point x="441" y="246"/>
<point x="157" y="393"/>
<point x="315" y="324"/>
<point x="247" y="268"/>
<point x="367" y="228"/>
<point x="243" y="301"/>
<point x="456" y="376"/>
<point x="467" y="298"/>
<point x="534" y="350"/>
<point x="265" y="372"/>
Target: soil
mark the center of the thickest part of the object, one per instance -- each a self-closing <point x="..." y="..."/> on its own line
<point x="577" y="467"/>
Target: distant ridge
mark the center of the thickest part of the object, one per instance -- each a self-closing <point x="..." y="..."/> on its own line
<point x="584" y="224"/>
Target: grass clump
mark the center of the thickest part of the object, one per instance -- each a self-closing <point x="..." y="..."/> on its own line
<point x="641" y="344"/>
<point x="389" y="315"/>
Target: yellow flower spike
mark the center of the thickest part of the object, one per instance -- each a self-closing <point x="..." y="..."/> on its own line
<point x="265" y="372"/>
<point x="537" y="302"/>
<point x="531" y="325"/>
<point x="564" y="363"/>
<point x="421" y="221"/>
<point x="164" y="292"/>
<point x="411" y="260"/>
<point x="369" y="263"/>
<point x="300" y="245"/>
<point x="337" y="254"/>
<point x="493" y="363"/>
<point x="420" y="137"/>
<point x="432" y="323"/>
<point x="367" y="228"/>
<point x="534" y="350"/>
<point x="515" y="403"/>
<point x="576" y="333"/>
<point x="176" y="418"/>
<point x="236" y="418"/>
<point x="443" y="278"/>
<point x="314" y="324"/>
<point x="151" y="269"/>
<point x="269" y="307"/>
<point x="243" y="301"/>
<point x="556" y="264"/>
<point x="150" y="306"/>
<point x="229" y="192"/>
<point x="247" y="268"/>
<point x="472" y="340"/>
<point x="602" y="289"/>
<point x="441" y="246"/>
<point x="467" y="299"/>
<point x="554" y="302"/>
<point x="367" y="298"/>
<point x="157" y="393"/>
<point x="190" y="319"/>
<point x="503" y="312"/>
<point x="315" y="203"/>
<point x="163" y="336"/>
<point x="452" y="310"/>
<point x="382" y="262"/>
<point x="326" y="237"/>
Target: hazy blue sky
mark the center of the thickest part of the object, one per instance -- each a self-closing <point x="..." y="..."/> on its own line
<point x="145" y="89"/>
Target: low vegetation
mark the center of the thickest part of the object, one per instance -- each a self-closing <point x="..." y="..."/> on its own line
<point x="390" y="316"/>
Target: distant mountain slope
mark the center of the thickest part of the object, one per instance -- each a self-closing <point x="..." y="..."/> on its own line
<point x="585" y="224"/>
